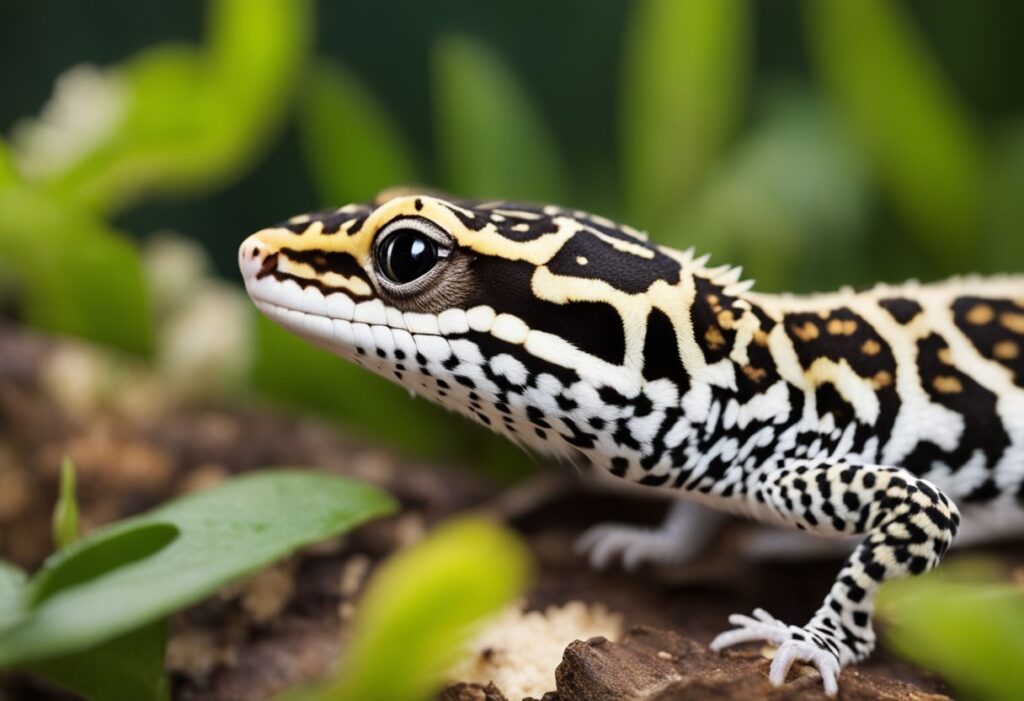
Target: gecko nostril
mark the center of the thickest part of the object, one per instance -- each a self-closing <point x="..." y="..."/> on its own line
<point x="269" y="265"/>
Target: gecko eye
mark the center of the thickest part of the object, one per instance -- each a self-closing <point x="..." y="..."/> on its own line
<point x="406" y="255"/>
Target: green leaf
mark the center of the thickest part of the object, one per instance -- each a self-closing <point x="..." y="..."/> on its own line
<point x="127" y="668"/>
<point x="908" y="117"/>
<point x="975" y="643"/>
<point x="138" y="571"/>
<point x="8" y="176"/>
<point x="492" y="141"/>
<point x="194" y="119"/>
<point x="65" y="513"/>
<point x="295" y="373"/>
<point x="352" y="147"/>
<point x="794" y="189"/>
<point x="420" y="608"/>
<point x="684" y="77"/>
<point x="12" y="593"/>
<point x="257" y="49"/>
<point x="1002" y="241"/>
<point x="74" y="274"/>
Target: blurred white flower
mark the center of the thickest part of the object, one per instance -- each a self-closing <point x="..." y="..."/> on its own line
<point x="87" y="105"/>
<point x="205" y="347"/>
<point x="204" y="326"/>
<point x="175" y="266"/>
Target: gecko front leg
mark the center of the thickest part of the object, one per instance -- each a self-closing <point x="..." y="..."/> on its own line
<point x="687" y="529"/>
<point x="908" y="523"/>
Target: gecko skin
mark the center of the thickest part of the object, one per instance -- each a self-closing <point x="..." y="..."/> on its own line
<point x="870" y="414"/>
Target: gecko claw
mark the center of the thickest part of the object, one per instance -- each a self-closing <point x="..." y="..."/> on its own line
<point x="805" y="651"/>
<point x="794" y="645"/>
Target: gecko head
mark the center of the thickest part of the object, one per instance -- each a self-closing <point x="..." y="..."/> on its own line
<point x="519" y="316"/>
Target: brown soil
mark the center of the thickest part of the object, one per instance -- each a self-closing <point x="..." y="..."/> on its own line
<point x="288" y="624"/>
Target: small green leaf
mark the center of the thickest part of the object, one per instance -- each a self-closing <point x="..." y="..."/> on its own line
<point x="421" y="607"/>
<point x="138" y="571"/>
<point x="12" y="593"/>
<point x="65" y="513"/>
<point x="75" y="275"/>
<point x="972" y="633"/>
<point x="352" y="147"/>
<point x="908" y="117"/>
<point x="127" y="668"/>
<point x="492" y="141"/>
<point x="684" y="77"/>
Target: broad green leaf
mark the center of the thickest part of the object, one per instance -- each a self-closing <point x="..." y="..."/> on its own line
<point x="970" y="633"/>
<point x="908" y="117"/>
<point x="352" y="147"/>
<point x="12" y="593"/>
<point x="65" y="513"/>
<point x="792" y="190"/>
<point x="138" y="571"/>
<point x="420" y="608"/>
<point x="684" y="77"/>
<point x="492" y="141"/>
<point x="73" y="273"/>
<point x="127" y="668"/>
<point x="292" y="371"/>
<point x="194" y="118"/>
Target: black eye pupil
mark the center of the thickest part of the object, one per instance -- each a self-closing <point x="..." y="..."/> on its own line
<point x="407" y="254"/>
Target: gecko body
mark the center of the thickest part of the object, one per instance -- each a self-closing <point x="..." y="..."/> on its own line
<point x="870" y="413"/>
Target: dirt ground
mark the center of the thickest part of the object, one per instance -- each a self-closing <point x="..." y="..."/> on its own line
<point x="288" y="624"/>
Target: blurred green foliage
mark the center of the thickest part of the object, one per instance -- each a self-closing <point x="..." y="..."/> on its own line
<point x="98" y="604"/>
<point x="491" y="138"/>
<point x="74" y="273"/>
<point x="353" y="148"/>
<point x="195" y="116"/>
<point x="420" y="608"/>
<point x="685" y="73"/>
<point x="964" y="623"/>
<point x="924" y="146"/>
<point x="12" y="585"/>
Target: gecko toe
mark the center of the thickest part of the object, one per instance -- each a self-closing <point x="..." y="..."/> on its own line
<point x="794" y="645"/>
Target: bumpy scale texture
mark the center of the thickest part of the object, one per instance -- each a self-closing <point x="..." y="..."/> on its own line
<point x="855" y="413"/>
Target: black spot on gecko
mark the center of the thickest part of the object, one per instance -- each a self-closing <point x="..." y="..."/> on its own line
<point x="983" y="430"/>
<point x="714" y="313"/>
<point x="661" y="352"/>
<point x="626" y="271"/>
<point x="901" y="309"/>
<point x="506" y="286"/>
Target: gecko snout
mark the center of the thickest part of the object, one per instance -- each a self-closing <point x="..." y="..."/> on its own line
<point x="255" y="258"/>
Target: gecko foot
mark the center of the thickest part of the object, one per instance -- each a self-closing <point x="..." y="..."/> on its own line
<point x="604" y="543"/>
<point x="794" y="644"/>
